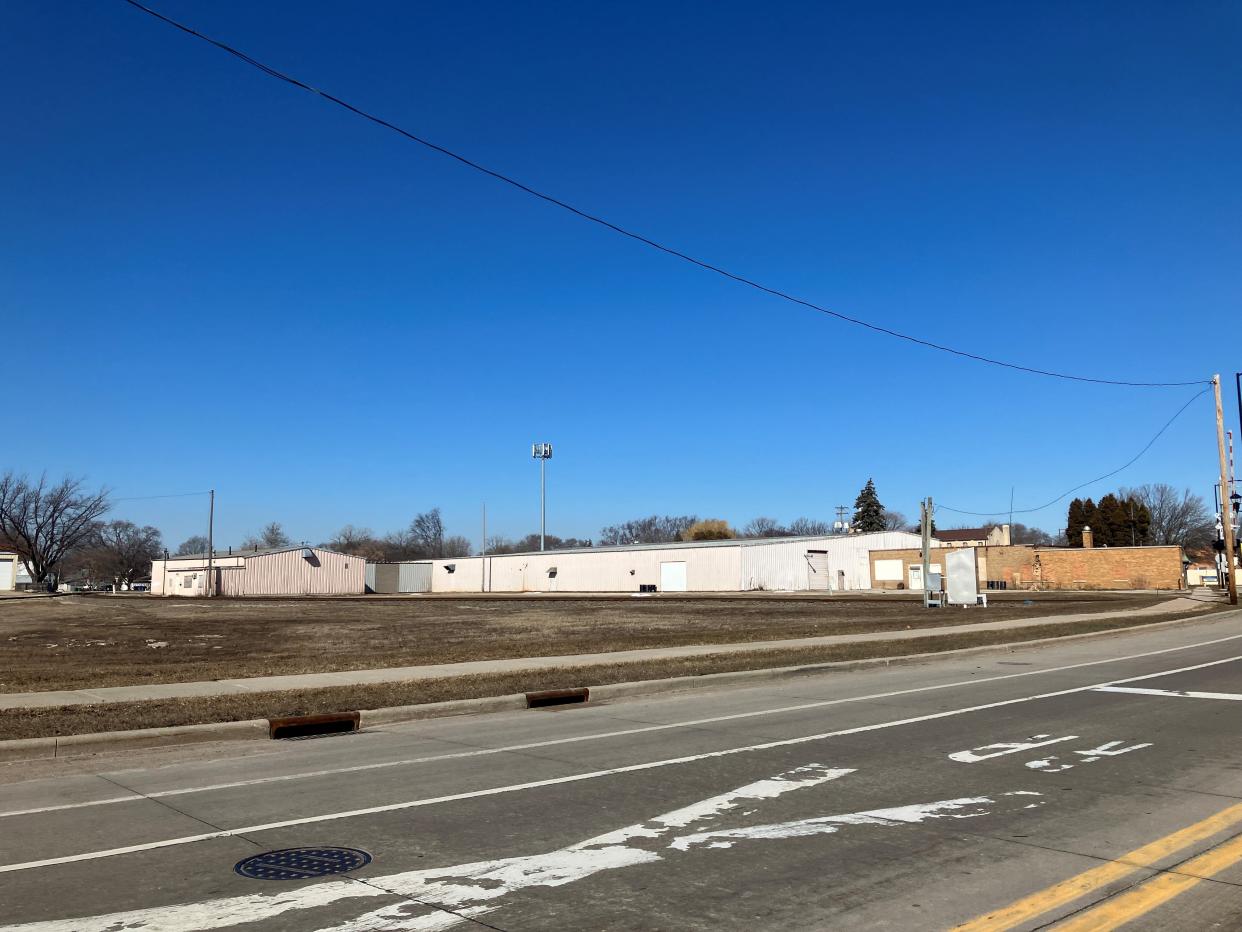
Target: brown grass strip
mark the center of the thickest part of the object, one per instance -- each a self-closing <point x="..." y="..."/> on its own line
<point x="121" y="716"/>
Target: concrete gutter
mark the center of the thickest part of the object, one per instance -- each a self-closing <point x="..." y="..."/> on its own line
<point x="376" y="719"/>
<point x="139" y="739"/>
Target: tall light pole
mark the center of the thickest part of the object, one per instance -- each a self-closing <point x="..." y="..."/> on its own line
<point x="543" y="453"/>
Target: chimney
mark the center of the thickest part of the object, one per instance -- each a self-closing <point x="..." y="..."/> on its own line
<point x="1088" y="539"/>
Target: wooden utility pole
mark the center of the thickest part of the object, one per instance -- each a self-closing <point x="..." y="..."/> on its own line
<point x="1226" y="506"/>
<point x="211" y="528"/>
<point x="925" y="507"/>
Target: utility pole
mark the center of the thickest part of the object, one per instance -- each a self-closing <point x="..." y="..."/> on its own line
<point x="483" y="553"/>
<point x="926" y="512"/>
<point x="211" y="521"/>
<point x="543" y="453"/>
<point x="1226" y="518"/>
<point x="842" y="525"/>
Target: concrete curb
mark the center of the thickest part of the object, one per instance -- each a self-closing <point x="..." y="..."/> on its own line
<point x="23" y="749"/>
<point x="139" y="739"/>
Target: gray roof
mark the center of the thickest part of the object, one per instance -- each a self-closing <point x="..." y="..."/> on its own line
<point x="251" y="552"/>
<point x="684" y="544"/>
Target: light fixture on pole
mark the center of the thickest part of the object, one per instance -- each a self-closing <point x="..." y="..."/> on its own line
<point x="543" y="453"/>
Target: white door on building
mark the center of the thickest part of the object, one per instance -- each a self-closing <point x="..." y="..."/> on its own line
<point x="673" y="577"/>
<point x="916" y="578"/>
<point x="817" y="576"/>
<point x="7" y="574"/>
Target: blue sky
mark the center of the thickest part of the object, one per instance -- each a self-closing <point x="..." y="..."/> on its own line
<point x="212" y="279"/>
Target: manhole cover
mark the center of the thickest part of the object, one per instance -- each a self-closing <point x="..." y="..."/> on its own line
<point x="301" y="863"/>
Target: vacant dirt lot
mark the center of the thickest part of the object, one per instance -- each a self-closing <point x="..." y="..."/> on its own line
<point x="80" y="641"/>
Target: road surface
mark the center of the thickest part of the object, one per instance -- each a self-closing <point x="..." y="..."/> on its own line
<point x="1086" y="785"/>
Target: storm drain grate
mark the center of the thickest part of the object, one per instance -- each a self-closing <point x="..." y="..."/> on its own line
<point x="301" y="863"/>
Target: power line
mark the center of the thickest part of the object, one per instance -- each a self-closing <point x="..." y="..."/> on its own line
<point x="638" y="237"/>
<point x="1107" y="475"/>
<point x="143" y="498"/>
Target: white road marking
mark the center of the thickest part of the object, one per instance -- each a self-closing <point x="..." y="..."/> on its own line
<point x="692" y="723"/>
<point x="1180" y="693"/>
<point x="1107" y="749"/>
<point x="1000" y="749"/>
<point x="578" y="777"/>
<point x="475" y="888"/>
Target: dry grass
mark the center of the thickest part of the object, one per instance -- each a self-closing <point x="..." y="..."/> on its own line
<point x="67" y="720"/>
<point x="82" y="641"/>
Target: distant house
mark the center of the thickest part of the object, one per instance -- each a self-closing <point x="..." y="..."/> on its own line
<point x="280" y="571"/>
<point x="994" y="535"/>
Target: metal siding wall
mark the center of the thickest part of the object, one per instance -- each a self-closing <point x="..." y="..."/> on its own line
<point x="781" y="565"/>
<point x="468" y="576"/>
<point x="708" y="569"/>
<point x="289" y="574"/>
<point x="414" y="577"/>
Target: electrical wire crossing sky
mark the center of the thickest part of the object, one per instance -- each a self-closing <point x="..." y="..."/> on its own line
<point x="1021" y="216"/>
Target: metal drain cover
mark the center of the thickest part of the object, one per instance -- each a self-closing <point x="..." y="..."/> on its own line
<point x="301" y="863"/>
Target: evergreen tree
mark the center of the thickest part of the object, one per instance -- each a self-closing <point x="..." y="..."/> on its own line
<point x="1074" y="522"/>
<point x="1112" y="522"/>
<point x="868" y="512"/>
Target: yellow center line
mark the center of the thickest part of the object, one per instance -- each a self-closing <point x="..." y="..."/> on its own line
<point x="1126" y="907"/>
<point x="1067" y="891"/>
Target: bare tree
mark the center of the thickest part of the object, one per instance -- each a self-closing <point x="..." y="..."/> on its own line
<point x="126" y="550"/>
<point x="271" y="537"/>
<point x="1176" y="517"/>
<point x="359" y="541"/>
<point x="457" y="546"/>
<point x="192" y="546"/>
<point x="809" y="527"/>
<point x="41" y="523"/>
<point x="399" y="545"/>
<point x="1022" y="534"/>
<point x="764" y="527"/>
<point x="896" y="521"/>
<point x="427" y="529"/>
<point x="655" y="529"/>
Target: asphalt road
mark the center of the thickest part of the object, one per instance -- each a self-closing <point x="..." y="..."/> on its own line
<point x="1003" y="791"/>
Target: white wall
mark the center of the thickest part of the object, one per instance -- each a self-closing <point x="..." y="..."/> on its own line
<point x="776" y="565"/>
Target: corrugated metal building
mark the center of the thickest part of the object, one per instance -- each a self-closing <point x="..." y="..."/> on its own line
<point x="399" y="576"/>
<point x="782" y="564"/>
<point x="279" y="571"/>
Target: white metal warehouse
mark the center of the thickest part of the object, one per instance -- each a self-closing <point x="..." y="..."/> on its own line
<point x="278" y="571"/>
<point x="782" y="564"/>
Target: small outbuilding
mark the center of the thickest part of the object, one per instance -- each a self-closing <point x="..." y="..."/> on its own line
<point x="280" y="571"/>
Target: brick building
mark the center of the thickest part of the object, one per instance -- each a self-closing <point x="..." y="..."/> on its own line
<point x="1026" y="567"/>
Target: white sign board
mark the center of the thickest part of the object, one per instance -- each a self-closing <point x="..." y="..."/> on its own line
<point x="888" y="570"/>
<point x="962" y="586"/>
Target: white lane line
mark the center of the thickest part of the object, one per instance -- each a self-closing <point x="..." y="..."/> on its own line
<point x="1179" y="693"/>
<point x="509" y="748"/>
<point x="579" y="777"/>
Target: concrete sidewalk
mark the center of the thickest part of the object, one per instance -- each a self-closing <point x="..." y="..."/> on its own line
<point x="432" y="671"/>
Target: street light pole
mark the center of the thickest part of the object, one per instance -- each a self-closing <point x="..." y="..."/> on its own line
<point x="543" y="453"/>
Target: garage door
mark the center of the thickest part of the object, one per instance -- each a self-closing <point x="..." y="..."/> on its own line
<point x="817" y="571"/>
<point x="6" y="574"/>
<point x="673" y="577"/>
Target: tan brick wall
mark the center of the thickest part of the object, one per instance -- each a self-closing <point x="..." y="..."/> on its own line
<point x="1111" y="568"/>
<point x="1024" y="567"/>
